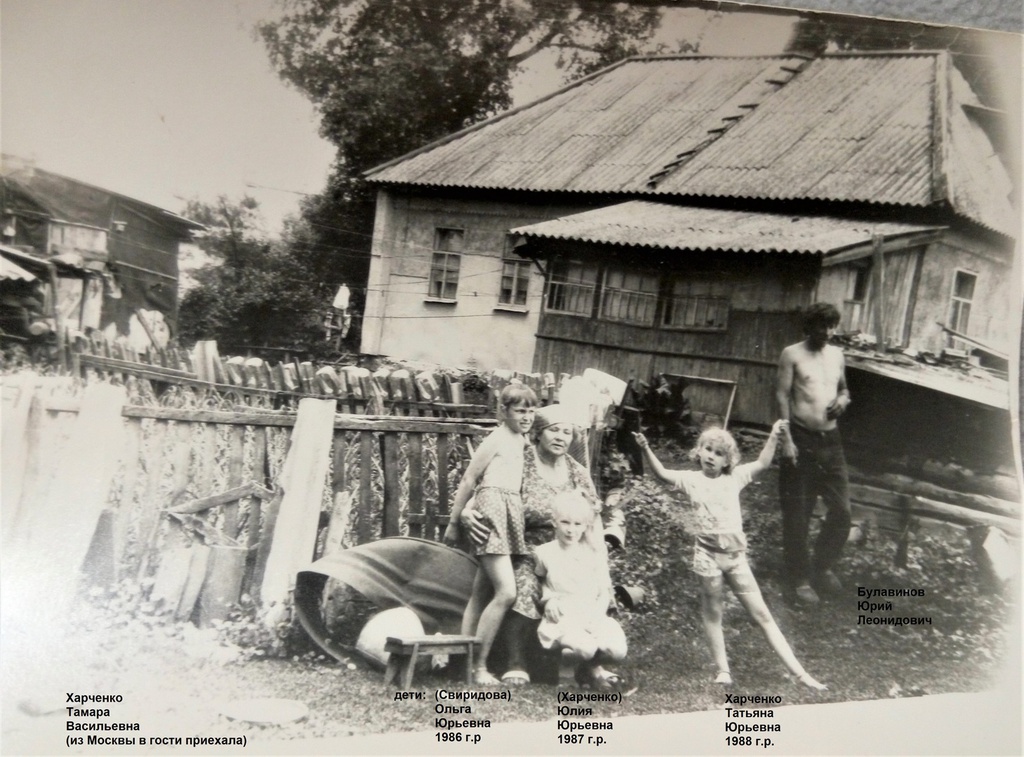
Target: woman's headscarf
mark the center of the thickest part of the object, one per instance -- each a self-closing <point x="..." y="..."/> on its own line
<point x="550" y="415"/>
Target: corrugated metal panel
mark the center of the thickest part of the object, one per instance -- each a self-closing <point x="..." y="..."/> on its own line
<point x="656" y="225"/>
<point x="640" y="114"/>
<point x="11" y="270"/>
<point x="848" y="128"/>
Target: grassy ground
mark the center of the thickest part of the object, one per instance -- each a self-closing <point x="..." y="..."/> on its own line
<point x="174" y="676"/>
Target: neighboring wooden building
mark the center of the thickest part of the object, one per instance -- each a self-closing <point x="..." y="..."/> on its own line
<point x="675" y="214"/>
<point x="115" y="258"/>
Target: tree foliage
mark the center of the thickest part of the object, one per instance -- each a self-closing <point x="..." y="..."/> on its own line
<point x="258" y="292"/>
<point x="391" y="75"/>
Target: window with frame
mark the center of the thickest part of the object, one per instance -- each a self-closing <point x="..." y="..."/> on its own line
<point x="445" y="263"/>
<point x="856" y="293"/>
<point x="629" y="296"/>
<point x="515" y="279"/>
<point x="571" y="288"/>
<point x="696" y="305"/>
<point x="962" y="297"/>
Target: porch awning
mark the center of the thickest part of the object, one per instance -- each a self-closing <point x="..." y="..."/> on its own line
<point x="640" y="223"/>
<point x="31" y="260"/>
<point x="11" y="270"/>
<point x="977" y="386"/>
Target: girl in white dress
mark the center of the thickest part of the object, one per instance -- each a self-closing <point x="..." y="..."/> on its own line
<point x="576" y="586"/>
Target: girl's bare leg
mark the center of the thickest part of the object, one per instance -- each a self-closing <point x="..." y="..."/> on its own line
<point x="711" y="614"/>
<point x="759" y="612"/>
<point x="502" y="578"/>
<point x="477" y="601"/>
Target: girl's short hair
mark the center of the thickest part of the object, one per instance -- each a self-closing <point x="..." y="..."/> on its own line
<point x="513" y="394"/>
<point x="721" y="439"/>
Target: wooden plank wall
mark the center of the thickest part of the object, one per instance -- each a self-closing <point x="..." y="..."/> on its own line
<point x="746" y="353"/>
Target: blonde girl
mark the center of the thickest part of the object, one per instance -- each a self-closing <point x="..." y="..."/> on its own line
<point x="720" y="551"/>
<point x="576" y="586"/>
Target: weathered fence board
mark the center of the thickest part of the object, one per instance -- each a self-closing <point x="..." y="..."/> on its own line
<point x="255" y="382"/>
<point x="195" y="500"/>
<point x="302" y="480"/>
<point x="55" y="534"/>
<point x="417" y="507"/>
<point x="392" y="492"/>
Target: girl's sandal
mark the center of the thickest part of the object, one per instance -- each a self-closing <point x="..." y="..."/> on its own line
<point x="484" y="677"/>
<point x="516" y="678"/>
<point x="607" y="682"/>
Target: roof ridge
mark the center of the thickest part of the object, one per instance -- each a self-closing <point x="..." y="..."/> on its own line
<point x="368" y="173"/>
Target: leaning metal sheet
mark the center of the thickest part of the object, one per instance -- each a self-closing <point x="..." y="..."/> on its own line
<point x="432" y="580"/>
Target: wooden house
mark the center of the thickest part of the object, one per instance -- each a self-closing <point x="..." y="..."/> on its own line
<point x="106" y="261"/>
<point x="674" y="214"/>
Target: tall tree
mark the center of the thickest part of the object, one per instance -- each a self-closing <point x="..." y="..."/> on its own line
<point x="391" y="75"/>
<point x="257" y="292"/>
<point x="388" y="76"/>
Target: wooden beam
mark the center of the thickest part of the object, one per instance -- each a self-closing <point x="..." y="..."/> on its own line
<point x="878" y="295"/>
<point x="976" y="342"/>
<point x="907" y="485"/>
<point x="142" y="370"/>
<point x="223" y="498"/>
<point x="285" y="418"/>
<point x="664" y="353"/>
<point x="923" y="507"/>
<point x="893" y="244"/>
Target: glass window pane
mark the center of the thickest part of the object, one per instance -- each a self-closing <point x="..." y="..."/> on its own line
<point x="449" y="240"/>
<point x="444" y="275"/>
<point x="964" y="286"/>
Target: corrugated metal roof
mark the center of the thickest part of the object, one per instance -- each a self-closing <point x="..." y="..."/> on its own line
<point x="978" y="183"/>
<point x="884" y="128"/>
<point x="847" y="128"/>
<point x="607" y="133"/>
<point x="978" y="386"/>
<point x="11" y="270"/>
<point x="640" y="223"/>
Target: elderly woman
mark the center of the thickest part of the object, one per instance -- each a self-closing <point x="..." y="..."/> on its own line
<point x="548" y="470"/>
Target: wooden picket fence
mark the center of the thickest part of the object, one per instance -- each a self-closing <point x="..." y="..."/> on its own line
<point x="184" y="500"/>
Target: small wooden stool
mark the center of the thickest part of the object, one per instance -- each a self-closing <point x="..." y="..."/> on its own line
<point x="406" y="649"/>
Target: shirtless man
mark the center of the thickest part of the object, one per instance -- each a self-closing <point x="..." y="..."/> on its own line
<point x="812" y="394"/>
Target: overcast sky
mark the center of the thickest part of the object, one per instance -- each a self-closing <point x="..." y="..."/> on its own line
<point x="165" y="100"/>
<point x="157" y="99"/>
